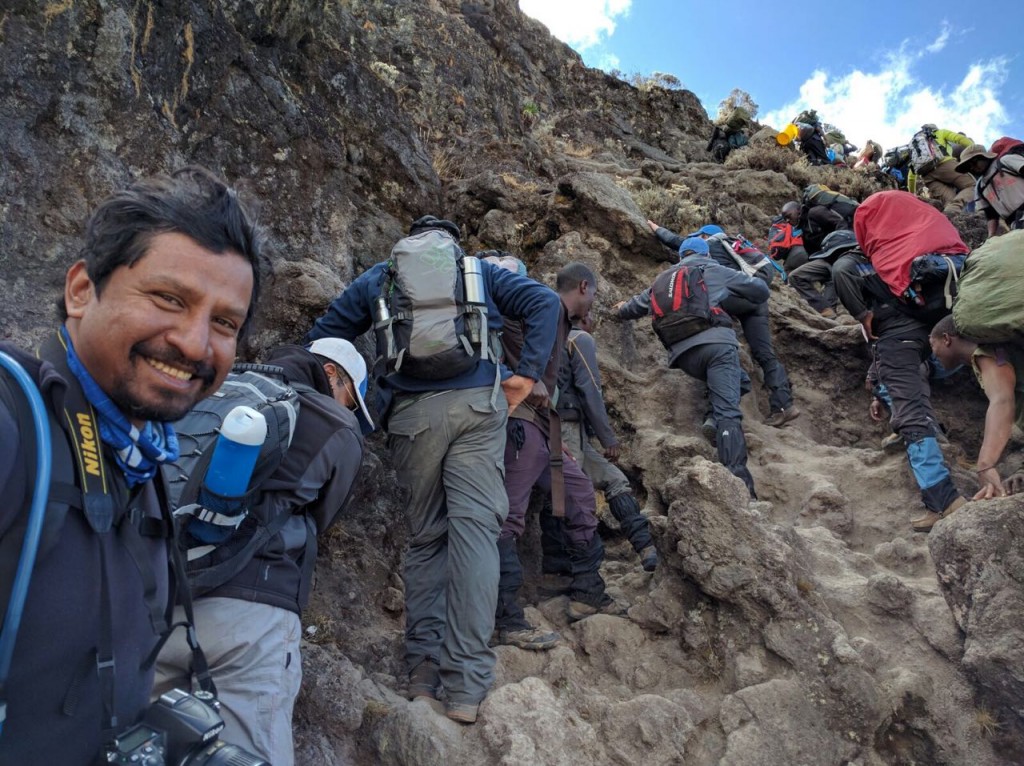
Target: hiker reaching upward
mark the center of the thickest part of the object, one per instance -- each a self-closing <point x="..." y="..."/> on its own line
<point x="812" y="143"/>
<point x="822" y="212"/>
<point x="933" y="159"/>
<point x="700" y="340"/>
<point x="739" y="255"/>
<point x="999" y="189"/>
<point x="999" y="369"/>
<point x="445" y="418"/>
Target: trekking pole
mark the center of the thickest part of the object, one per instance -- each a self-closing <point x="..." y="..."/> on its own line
<point x="34" y="528"/>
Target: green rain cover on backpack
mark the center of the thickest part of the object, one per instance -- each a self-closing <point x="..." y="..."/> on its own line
<point x="990" y="306"/>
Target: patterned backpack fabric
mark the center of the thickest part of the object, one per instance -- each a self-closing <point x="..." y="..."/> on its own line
<point x="925" y="151"/>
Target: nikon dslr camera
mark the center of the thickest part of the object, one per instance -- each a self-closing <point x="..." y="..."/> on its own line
<point x="179" y="729"/>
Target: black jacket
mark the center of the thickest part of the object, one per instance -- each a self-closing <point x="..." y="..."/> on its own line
<point x="313" y="483"/>
<point x="56" y="648"/>
<point x="860" y="290"/>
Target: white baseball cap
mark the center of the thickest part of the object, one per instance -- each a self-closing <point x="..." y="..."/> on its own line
<point x="344" y="354"/>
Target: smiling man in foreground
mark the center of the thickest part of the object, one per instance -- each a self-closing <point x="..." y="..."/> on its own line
<point x="152" y="314"/>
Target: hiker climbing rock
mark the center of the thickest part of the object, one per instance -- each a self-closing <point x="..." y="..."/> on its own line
<point x="999" y="189"/>
<point x="699" y="338"/>
<point x="933" y="160"/>
<point x="447" y="438"/>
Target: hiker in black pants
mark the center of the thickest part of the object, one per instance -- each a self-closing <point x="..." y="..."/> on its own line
<point x="712" y="355"/>
<point x="753" y="318"/>
<point x="818" y="270"/>
<point x="900" y="343"/>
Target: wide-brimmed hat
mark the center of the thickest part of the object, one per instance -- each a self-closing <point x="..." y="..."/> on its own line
<point x="835" y="243"/>
<point x="344" y="354"/>
<point x="972" y="152"/>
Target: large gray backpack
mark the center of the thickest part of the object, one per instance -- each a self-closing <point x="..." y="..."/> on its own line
<point x="428" y="325"/>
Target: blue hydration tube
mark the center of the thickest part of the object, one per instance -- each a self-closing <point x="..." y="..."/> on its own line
<point x="34" y="529"/>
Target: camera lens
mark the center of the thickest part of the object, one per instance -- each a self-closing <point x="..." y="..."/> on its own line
<point x="220" y="753"/>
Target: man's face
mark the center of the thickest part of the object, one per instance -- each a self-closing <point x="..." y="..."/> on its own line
<point x="942" y="347"/>
<point x="164" y="332"/>
<point x="792" y="215"/>
<point x="583" y="299"/>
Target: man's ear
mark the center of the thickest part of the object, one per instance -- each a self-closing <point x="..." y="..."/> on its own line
<point x="584" y="286"/>
<point x="79" y="290"/>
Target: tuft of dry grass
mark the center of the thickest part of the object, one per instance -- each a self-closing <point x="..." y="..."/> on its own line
<point x="987" y="722"/>
<point x="674" y="208"/>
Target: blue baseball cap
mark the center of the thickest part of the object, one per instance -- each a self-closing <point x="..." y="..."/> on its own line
<point x="708" y="231"/>
<point x="693" y="245"/>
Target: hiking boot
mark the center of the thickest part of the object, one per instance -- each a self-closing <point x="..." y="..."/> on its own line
<point x="828" y="313"/>
<point x="579" y="610"/>
<point x="930" y="518"/>
<point x="779" y="418"/>
<point x="424" y="680"/>
<point x="649" y="558"/>
<point x="462" y="712"/>
<point x="892" y="443"/>
<point x="709" y="428"/>
<point x="552" y="585"/>
<point x="532" y="639"/>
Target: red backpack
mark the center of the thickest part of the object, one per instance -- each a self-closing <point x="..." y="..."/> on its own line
<point x="681" y="307"/>
<point x="1005" y="145"/>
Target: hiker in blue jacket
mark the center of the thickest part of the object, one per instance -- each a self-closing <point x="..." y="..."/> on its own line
<point x="712" y="355"/>
<point x="447" y="440"/>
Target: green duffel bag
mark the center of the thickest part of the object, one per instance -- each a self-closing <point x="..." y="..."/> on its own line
<point x="990" y="304"/>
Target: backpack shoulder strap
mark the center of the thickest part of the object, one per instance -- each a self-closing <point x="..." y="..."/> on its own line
<point x="64" y="493"/>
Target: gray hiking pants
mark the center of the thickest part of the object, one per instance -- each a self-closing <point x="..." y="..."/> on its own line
<point x="449" y="451"/>
<point x="604" y="474"/>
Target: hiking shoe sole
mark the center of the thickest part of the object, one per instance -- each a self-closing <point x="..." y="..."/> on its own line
<point x="461" y="712"/>
<point x="530" y="639"/>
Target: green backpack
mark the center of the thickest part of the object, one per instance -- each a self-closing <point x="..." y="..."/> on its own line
<point x="988" y="307"/>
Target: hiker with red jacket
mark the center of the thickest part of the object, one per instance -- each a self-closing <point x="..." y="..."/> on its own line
<point x="712" y="355"/>
<point x="999" y="189"/>
<point x="786" y="238"/>
<point x="895" y="227"/>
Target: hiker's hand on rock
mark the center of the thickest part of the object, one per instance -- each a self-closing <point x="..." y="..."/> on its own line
<point x="653" y="225"/>
<point x="991" y="486"/>
<point x="877" y="410"/>
<point x="1015" y="484"/>
<point x="616" y="308"/>
<point x="516" y="389"/>
<point x="612" y="452"/>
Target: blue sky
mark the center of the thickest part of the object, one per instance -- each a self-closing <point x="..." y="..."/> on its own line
<point x="879" y="71"/>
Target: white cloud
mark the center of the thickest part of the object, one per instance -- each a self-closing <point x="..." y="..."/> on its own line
<point x="941" y="40"/>
<point x="891" y="104"/>
<point x="581" y="24"/>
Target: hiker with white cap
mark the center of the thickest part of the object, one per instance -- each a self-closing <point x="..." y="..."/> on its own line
<point x="999" y="188"/>
<point x="250" y="626"/>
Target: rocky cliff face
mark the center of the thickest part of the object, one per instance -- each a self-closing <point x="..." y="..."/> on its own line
<point x="808" y="628"/>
